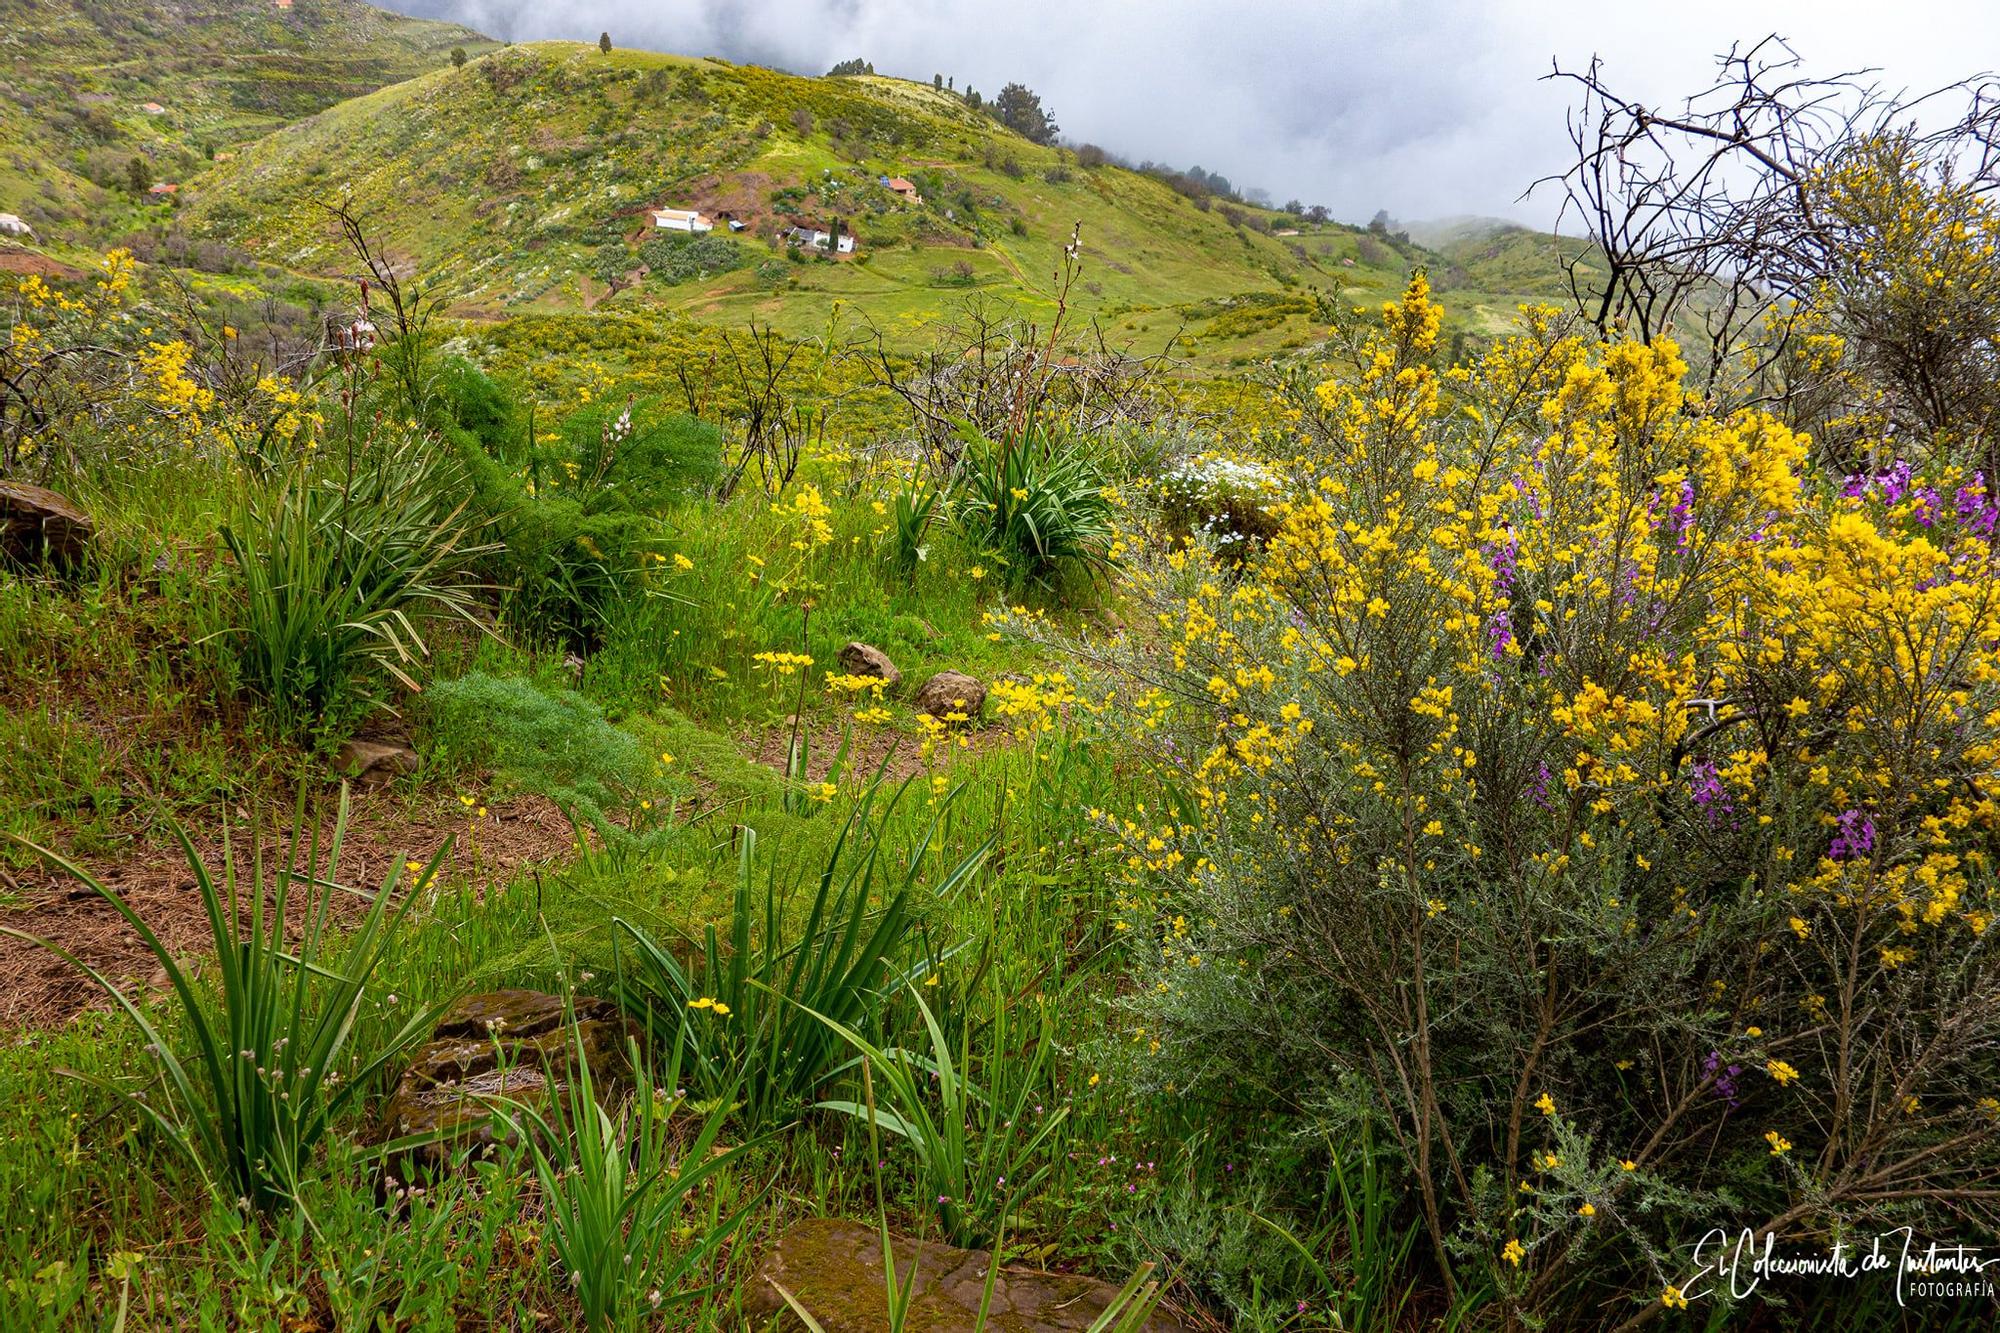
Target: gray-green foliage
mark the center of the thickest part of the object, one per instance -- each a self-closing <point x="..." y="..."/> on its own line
<point x="555" y="743"/>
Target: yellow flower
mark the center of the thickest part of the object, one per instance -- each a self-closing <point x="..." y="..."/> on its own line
<point x="1628" y="1165"/>
<point x="1673" y="1300"/>
<point x="1545" y="1104"/>
<point x="1780" y="1145"/>
<point x="1780" y="1071"/>
<point x="1512" y="1252"/>
<point x="1587" y="1210"/>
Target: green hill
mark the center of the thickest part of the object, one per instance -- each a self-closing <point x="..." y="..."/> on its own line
<point x="80" y="81"/>
<point x="526" y="180"/>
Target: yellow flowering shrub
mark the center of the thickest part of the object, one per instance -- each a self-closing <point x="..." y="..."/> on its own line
<point x="1599" y="785"/>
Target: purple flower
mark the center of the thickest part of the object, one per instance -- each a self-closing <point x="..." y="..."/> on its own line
<point x="1928" y="505"/>
<point x="1854" y="836"/>
<point x="1894" y="483"/>
<point x="1724" y="1079"/>
<point x="1711" y="796"/>
<point x="1538" y="790"/>
<point x="1681" y="516"/>
<point x="1976" y="511"/>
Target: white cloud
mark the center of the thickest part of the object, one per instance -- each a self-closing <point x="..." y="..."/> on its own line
<point x="1424" y="107"/>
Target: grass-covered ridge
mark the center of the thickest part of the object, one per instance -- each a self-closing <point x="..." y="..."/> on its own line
<point x="525" y="180"/>
<point x="81" y="73"/>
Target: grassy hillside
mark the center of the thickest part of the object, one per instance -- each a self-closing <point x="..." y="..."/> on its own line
<point x="525" y="180"/>
<point x="76" y="78"/>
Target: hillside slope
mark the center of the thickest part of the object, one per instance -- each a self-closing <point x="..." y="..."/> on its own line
<point x="87" y="85"/>
<point x="526" y="179"/>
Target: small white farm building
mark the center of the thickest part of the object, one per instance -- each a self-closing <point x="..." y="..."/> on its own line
<point x="681" y="219"/>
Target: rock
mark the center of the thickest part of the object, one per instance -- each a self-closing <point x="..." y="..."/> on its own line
<point x="491" y="1049"/>
<point x="374" y="763"/>
<point x="951" y="692"/>
<point x="36" y="523"/>
<point x="864" y="659"/>
<point x="833" y="1267"/>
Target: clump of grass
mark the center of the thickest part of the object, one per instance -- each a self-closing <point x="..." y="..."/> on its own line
<point x="1037" y="503"/>
<point x="268" y="1062"/>
<point x="755" y="1017"/>
<point x="339" y="574"/>
<point x="616" y="1189"/>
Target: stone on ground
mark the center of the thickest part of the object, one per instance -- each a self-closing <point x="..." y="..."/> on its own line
<point x="951" y="692"/>
<point x="833" y="1267"/>
<point x="492" y="1048"/>
<point x="864" y="659"/>
<point x="374" y="763"/>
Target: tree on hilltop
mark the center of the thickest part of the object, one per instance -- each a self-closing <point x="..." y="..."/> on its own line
<point x="1021" y="110"/>
<point x="604" y="42"/>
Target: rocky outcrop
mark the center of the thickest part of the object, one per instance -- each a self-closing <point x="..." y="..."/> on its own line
<point x="487" y="1051"/>
<point x="38" y="524"/>
<point x="833" y="1268"/>
<point x="951" y="694"/>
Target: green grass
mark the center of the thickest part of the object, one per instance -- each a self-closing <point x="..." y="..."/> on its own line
<point x="225" y="72"/>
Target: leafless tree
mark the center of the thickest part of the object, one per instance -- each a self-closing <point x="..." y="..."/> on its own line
<point x="1717" y="220"/>
<point x="993" y="370"/>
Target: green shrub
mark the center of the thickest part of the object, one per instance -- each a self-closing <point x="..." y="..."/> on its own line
<point x="477" y="403"/>
<point x="578" y="519"/>
<point x="676" y="259"/>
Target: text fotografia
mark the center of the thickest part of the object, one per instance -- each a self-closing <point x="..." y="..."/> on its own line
<point x="1921" y="1269"/>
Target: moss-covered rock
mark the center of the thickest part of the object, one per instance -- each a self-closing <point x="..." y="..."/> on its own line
<point x="833" y="1268"/>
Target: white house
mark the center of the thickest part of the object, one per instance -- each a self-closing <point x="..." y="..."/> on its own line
<point x="681" y="219"/>
<point x="13" y="226"/>
<point x="815" y="239"/>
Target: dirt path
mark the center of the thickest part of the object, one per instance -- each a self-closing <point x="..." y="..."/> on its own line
<point x="40" y="989"/>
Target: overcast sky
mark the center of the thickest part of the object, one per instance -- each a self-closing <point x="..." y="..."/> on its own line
<point x="1428" y="108"/>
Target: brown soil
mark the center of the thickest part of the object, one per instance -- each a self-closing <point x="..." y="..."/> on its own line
<point x="28" y="262"/>
<point x="769" y="746"/>
<point x="39" y="988"/>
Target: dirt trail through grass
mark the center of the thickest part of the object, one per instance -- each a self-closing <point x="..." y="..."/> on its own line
<point x="39" y="988"/>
